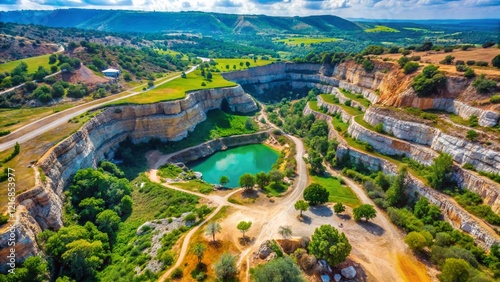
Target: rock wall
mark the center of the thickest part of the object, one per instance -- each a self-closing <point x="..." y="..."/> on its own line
<point x="41" y="208"/>
<point x="332" y="133"/>
<point x="333" y="109"/>
<point x="453" y="213"/>
<point x="461" y="150"/>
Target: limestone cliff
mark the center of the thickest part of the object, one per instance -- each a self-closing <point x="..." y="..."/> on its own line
<point x="484" y="235"/>
<point x="40" y="208"/>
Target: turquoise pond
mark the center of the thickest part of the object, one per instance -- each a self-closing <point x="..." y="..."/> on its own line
<point x="235" y="162"/>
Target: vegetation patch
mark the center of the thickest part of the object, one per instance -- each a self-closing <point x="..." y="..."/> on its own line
<point x="302" y="41"/>
<point x="381" y="28"/>
<point x="338" y="192"/>
<point x="195" y="186"/>
<point x="225" y="65"/>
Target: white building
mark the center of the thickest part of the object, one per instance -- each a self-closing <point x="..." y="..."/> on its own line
<point x="111" y="73"/>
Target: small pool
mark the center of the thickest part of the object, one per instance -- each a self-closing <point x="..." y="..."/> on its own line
<point x="235" y="162"/>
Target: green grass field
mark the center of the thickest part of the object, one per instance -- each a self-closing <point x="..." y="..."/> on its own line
<point x="226" y="65"/>
<point x="11" y="119"/>
<point x="33" y="63"/>
<point x="177" y="88"/>
<point x="314" y="106"/>
<point x="358" y="98"/>
<point x="296" y="41"/>
<point x="381" y="28"/>
<point x="338" y="192"/>
<point x="350" y="110"/>
<point x="339" y="124"/>
<point x="195" y="186"/>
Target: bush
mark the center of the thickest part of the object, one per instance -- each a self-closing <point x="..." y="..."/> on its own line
<point x="471" y="62"/>
<point x="410" y="67"/>
<point x="496" y="61"/>
<point x="368" y="65"/>
<point x="469" y="73"/>
<point x="379" y="128"/>
<point x="448" y="60"/>
<point x="461" y="68"/>
<point x="484" y="85"/>
<point x="176" y="274"/>
<point x="488" y="44"/>
<point x="316" y="194"/>
<point x="190" y="217"/>
<point x="481" y="64"/>
<point x="495" y="99"/>
<point x="348" y="103"/>
<point x="428" y="81"/>
<point x="402" y="61"/>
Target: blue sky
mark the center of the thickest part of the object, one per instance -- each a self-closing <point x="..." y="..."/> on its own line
<point x="374" y="9"/>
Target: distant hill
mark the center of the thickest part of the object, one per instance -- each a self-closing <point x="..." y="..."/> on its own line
<point x="193" y="22"/>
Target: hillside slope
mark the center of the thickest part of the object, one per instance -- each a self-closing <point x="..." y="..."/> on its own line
<point x="153" y="22"/>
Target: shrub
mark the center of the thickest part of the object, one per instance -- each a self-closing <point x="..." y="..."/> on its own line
<point x="448" y="60"/>
<point x="469" y="73"/>
<point x="368" y="65"/>
<point x="379" y="128"/>
<point x="488" y="44"/>
<point x="428" y="81"/>
<point x="402" y="61"/>
<point x="471" y="62"/>
<point x="484" y="85"/>
<point x="461" y="68"/>
<point x="495" y="99"/>
<point x="348" y="103"/>
<point x="496" y="61"/>
<point x="410" y="67"/>
<point x="176" y="274"/>
<point x="482" y="63"/>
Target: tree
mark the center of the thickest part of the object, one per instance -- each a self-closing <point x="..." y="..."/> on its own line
<point x="496" y="61"/>
<point x="368" y="65"/>
<point x="108" y="221"/>
<point x="402" y="61"/>
<point x="183" y="75"/>
<point x="213" y="228"/>
<point x="395" y="194"/>
<point x="247" y="63"/>
<point x="326" y="243"/>
<point x="40" y="74"/>
<point x="472" y="135"/>
<point x="285" y="231"/>
<point x="484" y="85"/>
<point x="439" y="171"/>
<point x="316" y="162"/>
<point x="365" y="211"/>
<point x="455" y="270"/>
<point x="416" y="241"/>
<point x="428" y="81"/>
<point x="83" y="258"/>
<point x="209" y="75"/>
<point x="316" y="194"/>
<point x="90" y="208"/>
<point x="225" y="268"/>
<point x="34" y="269"/>
<point x="410" y="67"/>
<point x="301" y="206"/>
<point x="199" y="250"/>
<point x="223" y="180"/>
<point x="127" y="76"/>
<point x="448" y="60"/>
<point x="65" y="67"/>
<point x="278" y="270"/>
<point x="249" y="124"/>
<point x="52" y="59"/>
<point x="247" y="181"/>
<point x="276" y="176"/>
<point x="339" y="208"/>
<point x="150" y="83"/>
<point x="262" y="179"/>
<point x="243" y="227"/>
<point x="57" y="90"/>
<point x="126" y="204"/>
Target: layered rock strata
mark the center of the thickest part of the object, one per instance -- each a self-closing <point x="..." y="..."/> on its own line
<point x="41" y="208"/>
<point x="457" y="216"/>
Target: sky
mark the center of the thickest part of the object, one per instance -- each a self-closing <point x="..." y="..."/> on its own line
<point x="370" y="9"/>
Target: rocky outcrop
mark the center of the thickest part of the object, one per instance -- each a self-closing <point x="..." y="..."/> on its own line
<point x="210" y="147"/>
<point x="333" y="109"/>
<point x="41" y="208"/>
<point x="453" y="213"/>
<point x="332" y="133"/>
<point x="461" y="150"/>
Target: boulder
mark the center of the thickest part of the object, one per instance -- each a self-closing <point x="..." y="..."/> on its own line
<point x="348" y="272"/>
<point x="265" y="250"/>
<point x="337" y="277"/>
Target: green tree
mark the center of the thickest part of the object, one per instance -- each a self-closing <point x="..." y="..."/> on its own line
<point x="455" y="270"/>
<point x="496" y="61"/>
<point x="65" y="67"/>
<point x="225" y="268"/>
<point x="301" y="206"/>
<point x="247" y="63"/>
<point x="472" y="135"/>
<point x="285" y="231"/>
<point x="84" y="258"/>
<point x="243" y="227"/>
<point x="262" y="179"/>
<point x="338" y="208"/>
<point x="410" y="67"/>
<point x="20" y="69"/>
<point x="108" y="221"/>
<point x="126" y="204"/>
<point x="278" y="270"/>
<point x="316" y="194"/>
<point x="425" y="211"/>
<point x="224" y="180"/>
<point x="209" y="76"/>
<point x="439" y="171"/>
<point x="395" y="194"/>
<point x="34" y="269"/>
<point x="428" y="81"/>
<point x="316" y="162"/>
<point x="40" y="74"/>
<point x="57" y="90"/>
<point x="368" y="65"/>
<point x="416" y="241"/>
<point x="90" y="207"/>
<point x="326" y="243"/>
<point x="249" y="124"/>
<point x="199" y="250"/>
<point x="448" y="60"/>
<point x="402" y="61"/>
<point x="365" y="211"/>
<point x="276" y="176"/>
<point x="247" y="181"/>
<point x="212" y="229"/>
<point x="127" y="76"/>
<point x="484" y="85"/>
<point x="52" y="59"/>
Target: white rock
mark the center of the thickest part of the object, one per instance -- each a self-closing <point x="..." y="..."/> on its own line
<point x="348" y="272"/>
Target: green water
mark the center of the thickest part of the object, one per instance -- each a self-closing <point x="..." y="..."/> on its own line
<point x="235" y="162"/>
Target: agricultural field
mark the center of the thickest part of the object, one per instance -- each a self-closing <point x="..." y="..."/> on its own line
<point x="381" y="28"/>
<point x="177" y="88"/>
<point x="297" y="41"/>
<point x="33" y="63"/>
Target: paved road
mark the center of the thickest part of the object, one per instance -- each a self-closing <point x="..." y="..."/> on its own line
<point x="43" y="125"/>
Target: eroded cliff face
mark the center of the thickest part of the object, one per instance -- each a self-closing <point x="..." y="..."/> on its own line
<point x="453" y="213"/>
<point x="41" y="208"/>
<point x="461" y="150"/>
